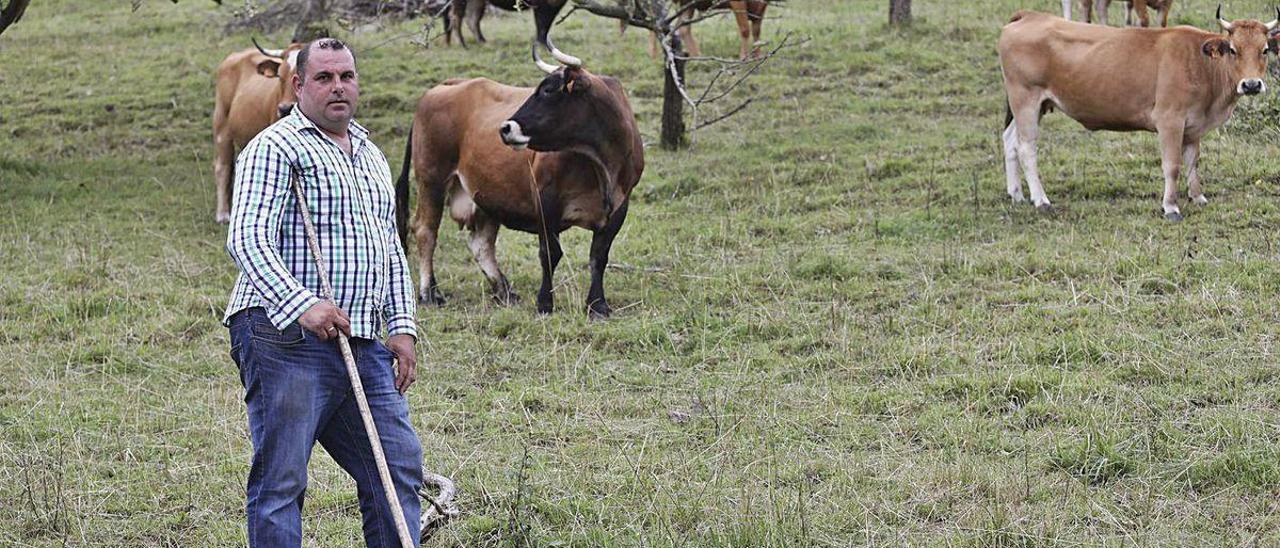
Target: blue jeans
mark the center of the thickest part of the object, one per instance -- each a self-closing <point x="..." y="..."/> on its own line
<point x="298" y="392"/>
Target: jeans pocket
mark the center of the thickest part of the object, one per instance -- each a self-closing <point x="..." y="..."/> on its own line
<point x="265" y="332"/>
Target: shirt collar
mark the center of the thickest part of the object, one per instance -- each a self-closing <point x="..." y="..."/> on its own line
<point x="299" y="122"/>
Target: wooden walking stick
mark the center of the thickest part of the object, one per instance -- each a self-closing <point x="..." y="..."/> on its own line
<point x="326" y="292"/>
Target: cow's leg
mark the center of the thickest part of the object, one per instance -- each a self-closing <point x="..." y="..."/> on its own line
<point x="690" y="44"/>
<point x="224" y="158"/>
<point x="1191" y="160"/>
<point x="1086" y="6"/>
<point x="1066" y="9"/>
<point x="739" y="8"/>
<point x="1026" y="122"/>
<point x="653" y="44"/>
<point x="549" y="253"/>
<point x="1100" y="7"/>
<point x="475" y="12"/>
<point x="431" y="191"/>
<point x="484" y="236"/>
<point x="601" y="243"/>
<point x="457" y="11"/>
<point x="1013" y="181"/>
<point x="1140" y="7"/>
<point x="1171" y="163"/>
<point x="757" y="8"/>
<point x="1164" y="13"/>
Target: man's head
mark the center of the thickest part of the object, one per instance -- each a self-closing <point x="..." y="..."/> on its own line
<point x="326" y="84"/>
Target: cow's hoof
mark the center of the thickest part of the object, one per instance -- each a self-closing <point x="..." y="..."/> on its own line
<point x="1045" y="208"/>
<point x="1200" y="200"/>
<point x="223" y="218"/>
<point x="1018" y="199"/>
<point x="598" y="312"/>
<point x="507" y="298"/>
<point x="432" y="298"/>
<point x="1173" y="216"/>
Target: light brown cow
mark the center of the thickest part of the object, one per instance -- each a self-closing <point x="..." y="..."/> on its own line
<point x="539" y="160"/>
<point x="1132" y="7"/>
<point x="251" y="91"/>
<point x="685" y="30"/>
<point x="1180" y="83"/>
<point x="749" y="15"/>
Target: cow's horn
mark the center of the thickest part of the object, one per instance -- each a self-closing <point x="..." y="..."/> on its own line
<point x="1272" y="25"/>
<point x="537" y="60"/>
<point x="1226" y="25"/>
<point x="562" y="56"/>
<point x="268" y="52"/>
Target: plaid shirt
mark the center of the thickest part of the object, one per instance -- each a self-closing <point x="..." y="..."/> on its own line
<point x="352" y="205"/>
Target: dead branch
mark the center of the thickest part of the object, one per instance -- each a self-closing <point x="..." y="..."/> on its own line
<point x="724" y="116"/>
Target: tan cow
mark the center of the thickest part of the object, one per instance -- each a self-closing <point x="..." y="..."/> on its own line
<point x="538" y="160"/>
<point x="748" y="14"/>
<point x="1180" y="83"/>
<point x="251" y="90"/>
<point x="1132" y="7"/>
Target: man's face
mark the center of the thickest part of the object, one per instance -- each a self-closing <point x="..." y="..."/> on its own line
<point x="328" y="92"/>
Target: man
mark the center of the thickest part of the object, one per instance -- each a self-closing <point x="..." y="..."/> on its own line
<point x="283" y="335"/>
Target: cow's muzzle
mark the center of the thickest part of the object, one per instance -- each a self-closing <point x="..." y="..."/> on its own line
<point x="512" y="136"/>
<point x="1251" y="86"/>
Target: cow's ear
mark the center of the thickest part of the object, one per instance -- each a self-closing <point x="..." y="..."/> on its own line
<point x="1215" y="47"/>
<point x="269" y="68"/>
<point x="575" y="81"/>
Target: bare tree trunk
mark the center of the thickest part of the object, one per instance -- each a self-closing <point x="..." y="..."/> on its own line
<point x="11" y="13"/>
<point x="673" y="129"/>
<point x="899" y="12"/>
<point x="310" y="26"/>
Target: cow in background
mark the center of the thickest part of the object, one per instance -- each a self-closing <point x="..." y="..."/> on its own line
<point x="252" y="90"/>
<point x="1132" y="7"/>
<point x="749" y="15"/>
<point x="539" y="160"/>
<point x="544" y="15"/>
<point x="1180" y="83"/>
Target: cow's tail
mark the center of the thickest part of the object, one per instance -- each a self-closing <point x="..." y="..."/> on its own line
<point x="402" y="192"/>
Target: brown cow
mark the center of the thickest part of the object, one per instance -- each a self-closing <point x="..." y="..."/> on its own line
<point x="1132" y="7"/>
<point x="685" y="30"/>
<point x="471" y="12"/>
<point x="544" y="15"/>
<point x="1180" y="83"/>
<point x="749" y="15"/>
<point x="252" y="90"/>
<point x="571" y="157"/>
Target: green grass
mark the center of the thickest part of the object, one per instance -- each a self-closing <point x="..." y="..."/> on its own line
<point x="832" y="329"/>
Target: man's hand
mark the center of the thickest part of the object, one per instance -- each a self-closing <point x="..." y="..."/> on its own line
<point x="402" y="346"/>
<point x="325" y="319"/>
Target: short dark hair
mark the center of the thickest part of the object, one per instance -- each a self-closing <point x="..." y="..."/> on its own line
<point x="322" y="43"/>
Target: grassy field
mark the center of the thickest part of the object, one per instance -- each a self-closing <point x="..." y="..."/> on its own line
<point x="832" y="328"/>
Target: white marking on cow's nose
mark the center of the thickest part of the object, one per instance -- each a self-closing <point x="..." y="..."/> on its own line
<point x="1251" y="86"/>
<point x="512" y="135"/>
